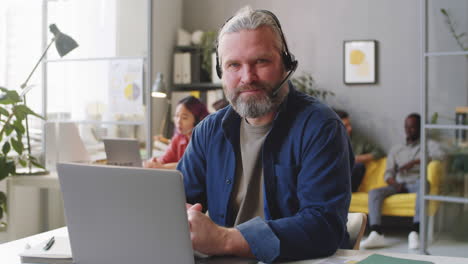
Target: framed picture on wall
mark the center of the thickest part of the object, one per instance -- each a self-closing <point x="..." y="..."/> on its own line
<point x="360" y="62"/>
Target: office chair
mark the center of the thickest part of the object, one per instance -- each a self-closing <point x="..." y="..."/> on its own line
<point x="356" y="226"/>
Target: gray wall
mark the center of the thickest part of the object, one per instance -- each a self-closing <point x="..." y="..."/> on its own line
<point x="315" y="31"/>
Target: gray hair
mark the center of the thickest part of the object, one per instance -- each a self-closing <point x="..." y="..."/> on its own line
<point x="248" y="19"/>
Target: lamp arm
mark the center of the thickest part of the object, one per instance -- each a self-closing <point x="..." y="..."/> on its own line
<point x="37" y="64"/>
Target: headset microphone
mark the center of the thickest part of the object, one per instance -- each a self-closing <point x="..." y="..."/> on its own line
<point x="278" y="87"/>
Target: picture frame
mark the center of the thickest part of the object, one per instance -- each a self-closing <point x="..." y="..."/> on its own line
<point x="360" y="61"/>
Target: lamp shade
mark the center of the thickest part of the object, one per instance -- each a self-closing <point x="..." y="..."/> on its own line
<point x="63" y="42"/>
<point x="159" y="89"/>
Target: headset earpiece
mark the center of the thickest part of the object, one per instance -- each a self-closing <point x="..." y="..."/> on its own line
<point x="219" y="71"/>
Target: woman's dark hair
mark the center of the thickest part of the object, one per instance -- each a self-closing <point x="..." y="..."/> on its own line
<point x="196" y="107"/>
<point x="341" y="113"/>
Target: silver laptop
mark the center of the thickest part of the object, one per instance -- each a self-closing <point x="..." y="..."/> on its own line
<point x="122" y="152"/>
<point x="122" y="215"/>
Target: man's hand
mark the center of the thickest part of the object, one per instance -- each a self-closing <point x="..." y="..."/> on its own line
<point x="363" y="158"/>
<point x="398" y="186"/>
<point x="409" y="166"/>
<point x="211" y="239"/>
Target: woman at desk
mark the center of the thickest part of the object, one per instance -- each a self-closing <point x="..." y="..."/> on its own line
<point x="189" y="112"/>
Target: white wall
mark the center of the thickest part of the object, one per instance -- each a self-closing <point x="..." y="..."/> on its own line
<point x="315" y="31"/>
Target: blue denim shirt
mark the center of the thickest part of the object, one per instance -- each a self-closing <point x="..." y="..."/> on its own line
<point x="307" y="161"/>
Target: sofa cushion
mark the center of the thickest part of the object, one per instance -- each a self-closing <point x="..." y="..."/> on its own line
<point x="399" y="204"/>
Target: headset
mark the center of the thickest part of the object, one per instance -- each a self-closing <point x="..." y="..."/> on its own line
<point x="289" y="61"/>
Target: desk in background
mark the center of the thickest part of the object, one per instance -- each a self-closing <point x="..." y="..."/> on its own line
<point x="42" y="182"/>
<point x="9" y="253"/>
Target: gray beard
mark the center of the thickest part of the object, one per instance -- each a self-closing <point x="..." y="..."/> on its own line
<point x="258" y="105"/>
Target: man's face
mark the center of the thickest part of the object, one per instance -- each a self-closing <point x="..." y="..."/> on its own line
<point x="347" y="124"/>
<point x="412" y="129"/>
<point x="252" y="67"/>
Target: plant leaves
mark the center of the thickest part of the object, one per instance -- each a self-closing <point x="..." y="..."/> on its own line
<point x="8" y="129"/>
<point x="9" y="97"/>
<point x="3" y="198"/>
<point x="4" y="112"/>
<point x="17" y="146"/>
<point x="23" y="162"/>
<point x="8" y="167"/>
<point x="24" y="110"/>
<point x="37" y="164"/>
<point x="6" y="148"/>
<point x="443" y="11"/>
<point x="18" y="125"/>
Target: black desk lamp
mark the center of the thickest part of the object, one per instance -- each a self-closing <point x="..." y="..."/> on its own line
<point x="64" y="45"/>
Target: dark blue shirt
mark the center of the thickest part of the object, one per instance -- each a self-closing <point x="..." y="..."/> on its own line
<point x="307" y="161"/>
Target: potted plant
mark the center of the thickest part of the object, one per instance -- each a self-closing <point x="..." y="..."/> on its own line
<point x="305" y="83"/>
<point x="13" y="112"/>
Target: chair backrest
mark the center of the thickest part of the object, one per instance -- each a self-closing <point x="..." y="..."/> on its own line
<point x="356" y="226"/>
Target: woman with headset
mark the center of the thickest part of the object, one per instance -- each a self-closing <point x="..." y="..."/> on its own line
<point x="189" y="112"/>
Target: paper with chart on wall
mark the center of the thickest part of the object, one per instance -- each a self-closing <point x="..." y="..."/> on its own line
<point x="126" y="86"/>
<point x="59" y="253"/>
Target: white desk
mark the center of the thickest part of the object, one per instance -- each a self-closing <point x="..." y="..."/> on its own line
<point x="39" y="181"/>
<point x="9" y="253"/>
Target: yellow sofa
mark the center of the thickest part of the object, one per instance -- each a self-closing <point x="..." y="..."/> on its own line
<point x="399" y="204"/>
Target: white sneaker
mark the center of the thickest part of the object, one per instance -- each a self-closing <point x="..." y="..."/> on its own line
<point x="374" y="240"/>
<point x="413" y="240"/>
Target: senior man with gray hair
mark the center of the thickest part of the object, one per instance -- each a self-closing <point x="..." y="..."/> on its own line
<point x="272" y="168"/>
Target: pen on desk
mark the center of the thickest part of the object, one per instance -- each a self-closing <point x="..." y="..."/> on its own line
<point x="50" y="243"/>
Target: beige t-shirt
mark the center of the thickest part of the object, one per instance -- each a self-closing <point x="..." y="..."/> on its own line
<point x="247" y="194"/>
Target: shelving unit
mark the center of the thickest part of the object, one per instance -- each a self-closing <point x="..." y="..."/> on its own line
<point x="445" y="134"/>
<point x="200" y="79"/>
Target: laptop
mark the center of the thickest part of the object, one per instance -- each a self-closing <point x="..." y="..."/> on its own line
<point x="122" y="152"/>
<point x="121" y="215"/>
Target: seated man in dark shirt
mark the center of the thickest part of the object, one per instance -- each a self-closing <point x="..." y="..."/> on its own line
<point x="273" y="168"/>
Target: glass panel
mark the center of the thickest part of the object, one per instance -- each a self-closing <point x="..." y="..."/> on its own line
<point x="83" y="142"/>
<point x="447" y="80"/>
<point x="102" y="28"/>
<point x="102" y="90"/>
<point x="447" y="231"/>
<point x="448" y="177"/>
<point x="440" y="38"/>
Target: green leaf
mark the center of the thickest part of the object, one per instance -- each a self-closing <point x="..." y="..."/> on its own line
<point x="443" y="11"/>
<point x="18" y="125"/>
<point x="7" y="167"/>
<point x="23" y="162"/>
<point x="434" y="118"/>
<point x="17" y="146"/>
<point x="1" y="212"/>
<point x="37" y="164"/>
<point x="8" y="129"/>
<point x="4" y="112"/>
<point x="9" y="97"/>
<point x="6" y="148"/>
<point x="3" y="198"/>
<point x="22" y="109"/>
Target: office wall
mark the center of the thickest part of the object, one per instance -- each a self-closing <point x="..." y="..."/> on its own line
<point x="315" y="31"/>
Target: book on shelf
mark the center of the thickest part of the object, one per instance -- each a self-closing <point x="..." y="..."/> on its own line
<point x="58" y="253"/>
